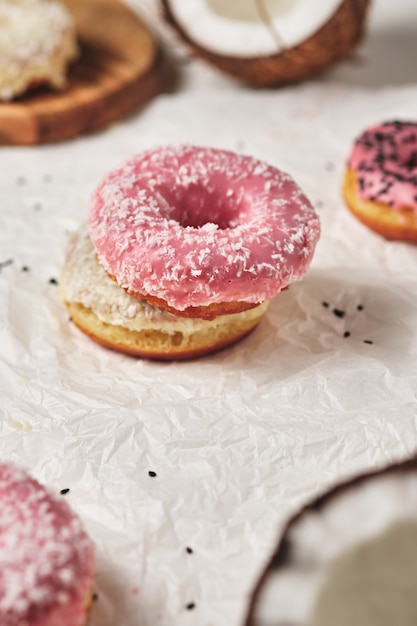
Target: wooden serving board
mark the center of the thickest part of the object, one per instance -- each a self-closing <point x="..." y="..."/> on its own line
<point x="118" y="71"/>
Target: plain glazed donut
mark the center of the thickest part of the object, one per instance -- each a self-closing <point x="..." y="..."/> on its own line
<point x="37" y="42"/>
<point x="380" y="184"/>
<point x="188" y="227"/>
<point x="47" y="559"/>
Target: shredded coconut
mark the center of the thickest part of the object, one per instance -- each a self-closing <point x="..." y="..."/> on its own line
<point x="37" y="40"/>
<point x="46" y="557"/>
<point x="197" y="226"/>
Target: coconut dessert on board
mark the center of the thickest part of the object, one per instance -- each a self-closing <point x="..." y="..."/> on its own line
<point x="349" y="557"/>
<point x="269" y="42"/>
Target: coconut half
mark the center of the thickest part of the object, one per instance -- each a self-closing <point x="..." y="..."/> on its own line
<point x="269" y="42"/>
<point x="347" y="559"/>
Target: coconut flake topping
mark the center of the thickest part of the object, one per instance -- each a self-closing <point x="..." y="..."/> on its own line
<point x="196" y="226"/>
<point x="32" y="34"/>
<point x="46" y="558"/>
<point x="31" y="28"/>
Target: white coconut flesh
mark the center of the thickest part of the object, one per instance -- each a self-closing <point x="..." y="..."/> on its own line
<point x="351" y="562"/>
<point x="251" y="28"/>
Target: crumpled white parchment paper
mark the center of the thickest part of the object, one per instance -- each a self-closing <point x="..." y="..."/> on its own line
<point x="238" y="440"/>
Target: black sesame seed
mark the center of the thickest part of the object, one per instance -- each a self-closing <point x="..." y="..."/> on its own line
<point x="64" y="492"/>
<point x="325" y="304"/>
<point x="95" y="596"/>
<point x="53" y="281"/>
<point x="346" y="333"/>
<point x="190" y="606"/>
<point x="339" y="313"/>
<point x="189" y="550"/>
<point x="152" y="474"/>
<point x="368" y="341"/>
<point x="360" y="307"/>
<point x="25" y="268"/>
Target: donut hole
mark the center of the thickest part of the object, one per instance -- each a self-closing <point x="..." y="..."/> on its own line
<point x="195" y="205"/>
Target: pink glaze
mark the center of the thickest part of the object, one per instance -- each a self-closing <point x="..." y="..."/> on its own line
<point x="46" y="558"/>
<point x="385" y="160"/>
<point x="196" y="226"/>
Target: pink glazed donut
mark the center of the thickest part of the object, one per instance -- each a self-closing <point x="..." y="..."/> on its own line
<point x="46" y="558"/>
<point x="380" y="185"/>
<point x="202" y="232"/>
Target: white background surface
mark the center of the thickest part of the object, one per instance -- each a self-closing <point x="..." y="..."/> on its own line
<point x="241" y="439"/>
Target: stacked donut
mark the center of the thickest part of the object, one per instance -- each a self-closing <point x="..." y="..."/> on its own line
<point x="37" y="42"/>
<point x="46" y="557"/>
<point x="185" y="248"/>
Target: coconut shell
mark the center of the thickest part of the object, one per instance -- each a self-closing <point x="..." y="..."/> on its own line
<point x="282" y="554"/>
<point x="333" y="42"/>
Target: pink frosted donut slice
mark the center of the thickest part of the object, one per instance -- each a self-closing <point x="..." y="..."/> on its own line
<point x="199" y="226"/>
<point x="46" y="558"/>
<point x="384" y="159"/>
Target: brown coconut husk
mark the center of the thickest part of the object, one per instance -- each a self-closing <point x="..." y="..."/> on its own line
<point x="333" y="42"/>
<point x="282" y="555"/>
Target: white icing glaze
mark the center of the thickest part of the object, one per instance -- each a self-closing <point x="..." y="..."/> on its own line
<point x="196" y="226"/>
<point x="84" y="281"/>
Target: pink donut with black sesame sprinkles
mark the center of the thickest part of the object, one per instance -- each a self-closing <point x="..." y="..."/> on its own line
<point x="380" y="185"/>
<point x="46" y="557"/>
<point x="202" y="231"/>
